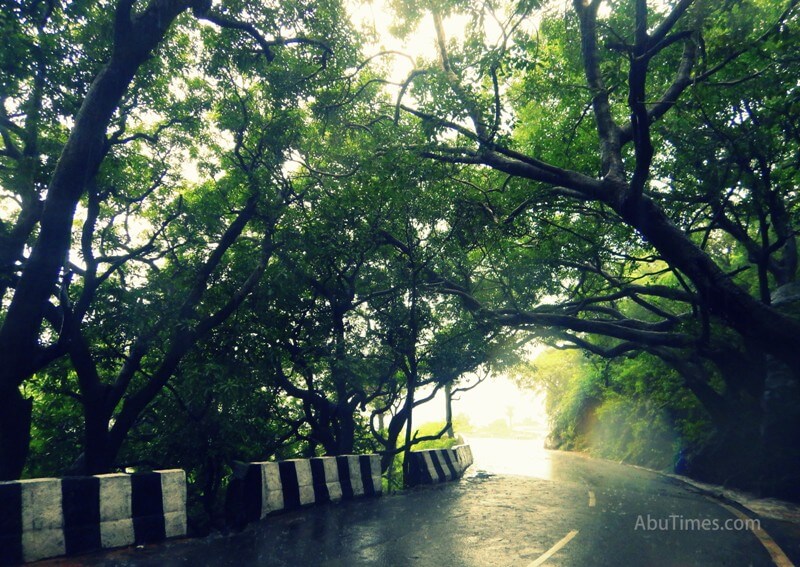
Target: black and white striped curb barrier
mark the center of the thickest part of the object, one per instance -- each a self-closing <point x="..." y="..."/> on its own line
<point x="258" y="489"/>
<point x="438" y="465"/>
<point x="463" y="455"/>
<point x="47" y="517"/>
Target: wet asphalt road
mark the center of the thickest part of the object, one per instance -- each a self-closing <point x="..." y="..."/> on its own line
<point x="514" y="505"/>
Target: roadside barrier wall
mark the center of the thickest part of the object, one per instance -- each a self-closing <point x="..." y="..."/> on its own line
<point x="258" y="489"/>
<point x="438" y="465"/>
<point x="47" y="517"/>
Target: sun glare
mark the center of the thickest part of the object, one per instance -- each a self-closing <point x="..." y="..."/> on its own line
<point x="377" y="16"/>
<point x="496" y="400"/>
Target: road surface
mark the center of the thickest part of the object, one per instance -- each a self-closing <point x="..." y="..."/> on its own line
<point x="518" y="506"/>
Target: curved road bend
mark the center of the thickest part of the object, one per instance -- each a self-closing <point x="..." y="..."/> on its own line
<point x="518" y="506"/>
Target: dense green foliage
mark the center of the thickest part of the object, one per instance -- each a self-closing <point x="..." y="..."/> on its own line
<point x="633" y="410"/>
<point x="634" y="194"/>
<point x="226" y="235"/>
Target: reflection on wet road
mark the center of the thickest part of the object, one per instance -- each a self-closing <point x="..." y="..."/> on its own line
<point x="518" y="505"/>
<point x="523" y="457"/>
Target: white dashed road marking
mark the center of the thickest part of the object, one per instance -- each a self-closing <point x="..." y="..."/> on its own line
<point x="592" y="499"/>
<point x="553" y="550"/>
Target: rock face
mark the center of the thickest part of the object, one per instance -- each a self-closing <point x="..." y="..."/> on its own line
<point x="780" y="430"/>
<point x="47" y="517"/>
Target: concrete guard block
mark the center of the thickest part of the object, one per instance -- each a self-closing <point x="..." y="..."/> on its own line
<point x="274" y="495"/>
<point x="119" y="533"/>
<point x="331" y="472"/>
<point x="175" y="524"/>
<point x="303" y="469"/>
<point x="41" y="504"/>
<point x="307" y="495"/>
<point x="115" y="497"/>
<point x="272" y="501"/>
<point x="40" y="544"/>
<point x="335" y="490"/>
<point x="428" y="460"/>
<point x="424" y="469"/>
<point x="42" y="519"/>
<point x="51" y="522"/>
<point x="173" y="490"/>
<point x="270" y="475"/>
<point x="354" y="466"/>
<point x="377" y="482"/>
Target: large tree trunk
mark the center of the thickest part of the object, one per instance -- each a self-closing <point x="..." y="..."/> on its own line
<point x="756" y="442"/>
<point x="780" y="429"/>
<point x="346" y="439"/>
<point x="448" y="409"/>
<point x="15" y="433"/>
<point x="761" y="325"/>
<point x="410" y="392"/>
<point x="134" y="40"/>
<point x="98" y="457"/>
<point x="392" y="435"/>
<point x="733" y="455"/>
<point x="624" y="191"/>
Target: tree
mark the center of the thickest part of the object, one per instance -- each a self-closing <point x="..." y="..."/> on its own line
<point x="625" y="185"/>
<point x="52" y="169"/>
<point x="613" y="227"/>
<point x="630" y="409"/>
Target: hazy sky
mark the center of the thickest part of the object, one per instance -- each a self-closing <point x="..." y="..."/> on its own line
<point x="486" y="403"/>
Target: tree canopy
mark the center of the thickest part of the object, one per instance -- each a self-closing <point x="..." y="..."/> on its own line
<point x="225" y="217"/>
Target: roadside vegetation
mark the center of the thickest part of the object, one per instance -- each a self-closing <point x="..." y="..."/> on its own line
<point x="632" y="410"/>
<point x="226" y="234"/>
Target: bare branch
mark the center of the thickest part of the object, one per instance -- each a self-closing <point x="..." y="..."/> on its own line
<point x="668" y="23"/>
<point x="607" y="129"/>
<point x="265" y="44"/>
